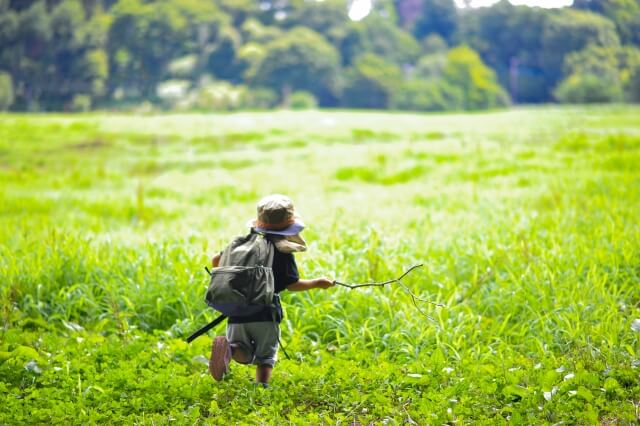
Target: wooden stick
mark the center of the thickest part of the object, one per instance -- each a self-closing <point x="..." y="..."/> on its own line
<point x="396" y="280"/>
<point x="378" y="284"/>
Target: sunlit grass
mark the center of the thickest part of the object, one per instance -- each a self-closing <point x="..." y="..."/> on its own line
<point x="527" y="223"/>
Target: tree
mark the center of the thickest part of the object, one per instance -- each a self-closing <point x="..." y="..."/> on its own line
<point x="430" y="66"/>
<point x="146" y="37"/>
<point x="529" y="62"/>
<point x="379" y="36"/>
<point x="629" y="59"/>
<point x="593" y="76"/>
<point x="254" y="31"/>
<point x="53" y="52"/>
<point x="633" y="85"/>
<point x="570" y="31"/>
<point x="79" y="64"/>
<point x="601" y="62"/>
<point x="385" y="9"/>
<point x="509" y="40"/>
<point x="328" y="17"/>
<point x="408" y="12"/>
<point x="433" y="43"/>
<point x="240" y="10"/>
<point x="371" y="82"/>
<point x="586" y="88"/>
<point x="592" y="5"/>
<point x="436" y="17"/>
<point x="300" y="60"/>
<point x="30" y="57"/>
<point x="626" y="16"/>
<point x="72" y="54"/>
<point x="599" y="74"/>
<point x="624" y="13"/>
<point x="9" y="51"/>
<point x="466" y="71"/>
<point x="6" y="91"/>
<point x="222" y="62"/>
<point x="428" y="95"/>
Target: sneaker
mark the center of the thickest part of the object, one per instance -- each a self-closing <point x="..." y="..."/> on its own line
<point x="220" y="357"/>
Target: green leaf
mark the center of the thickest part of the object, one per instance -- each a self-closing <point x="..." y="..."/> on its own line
<point x="25" y="352"/>
<point x="489" y="388"/>
<point x="514" y="392"/>
<point x="585" y="394"/>
<point x="611" y="384"/>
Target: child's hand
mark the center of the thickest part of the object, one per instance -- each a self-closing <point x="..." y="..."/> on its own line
<point x="323" y="283"/>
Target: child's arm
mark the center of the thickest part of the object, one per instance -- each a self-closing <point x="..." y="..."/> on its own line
<point x="304" y="285"/>
<point x="215" y="260"/>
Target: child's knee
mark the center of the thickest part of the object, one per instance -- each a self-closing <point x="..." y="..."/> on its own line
<point x="265" y="362"/>
<point x="240" y="354"/>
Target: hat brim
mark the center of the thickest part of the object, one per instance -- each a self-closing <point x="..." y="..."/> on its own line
<point x="295" y="228"/>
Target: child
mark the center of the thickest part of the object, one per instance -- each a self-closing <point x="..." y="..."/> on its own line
<point x="254" y="339"/>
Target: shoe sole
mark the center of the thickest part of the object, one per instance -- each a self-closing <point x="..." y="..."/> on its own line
<point x="220" y="357"/>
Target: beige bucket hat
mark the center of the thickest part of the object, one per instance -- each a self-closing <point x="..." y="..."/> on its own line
<point x="277" y="216"/>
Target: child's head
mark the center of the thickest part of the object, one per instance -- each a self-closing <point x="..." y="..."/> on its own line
<point x="277" y="216"/>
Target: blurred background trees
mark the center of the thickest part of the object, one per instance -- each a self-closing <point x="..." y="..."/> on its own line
<point x="425" y="55"/>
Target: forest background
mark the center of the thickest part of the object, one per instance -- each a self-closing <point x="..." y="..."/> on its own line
<point x="424" y="55"/>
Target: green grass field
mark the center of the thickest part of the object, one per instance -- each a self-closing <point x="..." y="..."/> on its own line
<point x="527" y="223"/>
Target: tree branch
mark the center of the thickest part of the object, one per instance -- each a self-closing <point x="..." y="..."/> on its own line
<point x="396" y="280"/>
<point x="378" y="284"/>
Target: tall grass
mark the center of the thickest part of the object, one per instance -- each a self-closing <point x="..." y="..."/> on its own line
<point x="526" y="222"/>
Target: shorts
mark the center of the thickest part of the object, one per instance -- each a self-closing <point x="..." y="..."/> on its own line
<point x="258" y="339"/>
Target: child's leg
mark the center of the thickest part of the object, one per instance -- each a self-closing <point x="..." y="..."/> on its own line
<point x="220" y="357"/>
<point x="266" y="344"/>
<point x="241" y="343"/>
<point x="239" y="354"/>
<point x="263" y="373"/>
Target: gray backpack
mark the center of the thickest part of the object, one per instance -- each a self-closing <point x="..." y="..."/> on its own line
<point x="243" y="283"/>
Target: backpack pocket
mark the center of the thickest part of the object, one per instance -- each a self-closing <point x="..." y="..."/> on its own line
<point x="240" y="290"/>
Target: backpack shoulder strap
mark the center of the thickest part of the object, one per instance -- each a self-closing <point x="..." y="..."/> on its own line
<point x="271" y="249"/>
<point x="253" y="249"/>
<point x="265" y="246"/>
<point x="225" y="258"/>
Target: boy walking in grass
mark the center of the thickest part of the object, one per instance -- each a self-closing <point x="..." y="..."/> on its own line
<point x="254" y="339"/>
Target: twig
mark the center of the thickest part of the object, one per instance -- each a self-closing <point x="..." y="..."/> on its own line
<point x="378" y="284"/>
<point x="396" y="280"/>
<point x="414" y="297"/>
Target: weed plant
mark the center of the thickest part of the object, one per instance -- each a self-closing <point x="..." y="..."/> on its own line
<point x="527" y="223"/>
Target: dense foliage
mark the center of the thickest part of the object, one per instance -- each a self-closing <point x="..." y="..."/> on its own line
<point x="225" y="54"/>
<point x="526" y="222"/>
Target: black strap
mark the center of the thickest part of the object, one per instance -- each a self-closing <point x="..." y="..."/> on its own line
<point x="206" y="328"/>
<point x="282" y="347"/>
<point x="276" y="300"/>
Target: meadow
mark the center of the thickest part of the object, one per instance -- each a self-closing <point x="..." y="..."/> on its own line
<point x="527" y="223"/>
